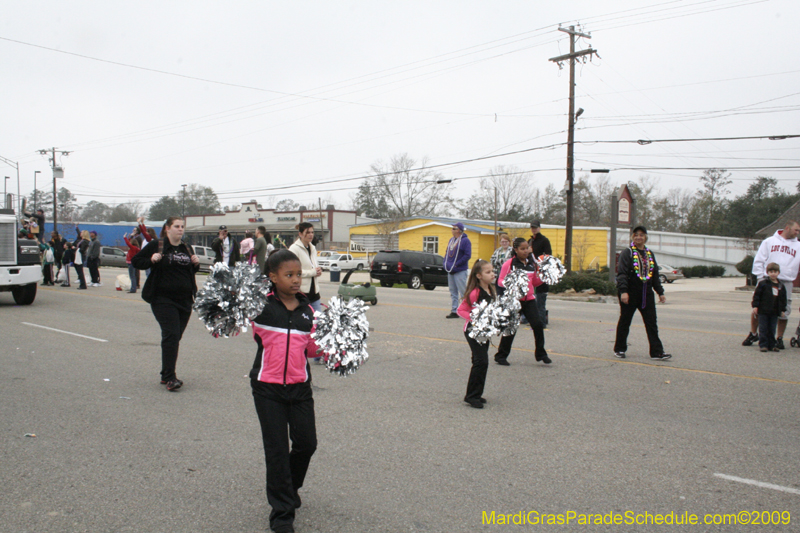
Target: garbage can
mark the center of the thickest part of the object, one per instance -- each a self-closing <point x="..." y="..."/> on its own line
<point x="336" y="272"/>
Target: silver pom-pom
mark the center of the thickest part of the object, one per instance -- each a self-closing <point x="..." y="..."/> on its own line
<point x="341" y="335"/>
<point x="231" y="298"/>
<point x="483" y="325"/>
<point x="516" y="283"/>
<point x="551" y="270"/>
<point x="508" y="314"/>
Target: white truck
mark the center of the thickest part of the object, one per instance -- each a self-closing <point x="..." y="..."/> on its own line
<point x="343" y="261"/>
<point x="20" y="263"/>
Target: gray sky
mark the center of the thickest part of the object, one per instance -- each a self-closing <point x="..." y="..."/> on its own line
<point x="261" y="94"/>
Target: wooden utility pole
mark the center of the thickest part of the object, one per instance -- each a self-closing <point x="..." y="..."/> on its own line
<point x="571" y="132"/>
<point x="56" y="172"/>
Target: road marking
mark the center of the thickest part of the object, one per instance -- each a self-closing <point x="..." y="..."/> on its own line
<point x="758" y="483"/>
<point x="664" y="365"/>
<point x="67" y="332"/>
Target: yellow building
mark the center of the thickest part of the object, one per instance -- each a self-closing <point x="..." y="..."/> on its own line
<point x="431" y="234"/>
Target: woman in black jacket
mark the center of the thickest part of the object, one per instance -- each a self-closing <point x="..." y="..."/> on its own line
<point x="170" y="291"/>
<point x="81" y="245"/>
<point x="637" y="277"/>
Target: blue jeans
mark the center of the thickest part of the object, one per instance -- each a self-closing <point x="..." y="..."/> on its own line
<point x="457" y="282"/>
<point x="132" y="275"/>
<point x="767" y="325"/>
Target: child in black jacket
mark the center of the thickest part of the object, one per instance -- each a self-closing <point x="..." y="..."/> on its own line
<point x="769" y="303"/>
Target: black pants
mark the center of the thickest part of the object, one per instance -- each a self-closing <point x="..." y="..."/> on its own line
<point x="279" y="407"/>
<point x="94" y="269"/>
<point x="531" y="312"/>
<point x="541" y="304"/>
<point x="47" y="274"/>
<point x="767" y="325"/>
<point x="480" y="363"/>
<point x="81" y="279"/>
<point x="626" y="312"/>
<point x="173" y="317"/>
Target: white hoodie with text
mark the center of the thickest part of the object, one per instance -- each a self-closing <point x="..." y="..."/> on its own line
<point x="776" y="249"/>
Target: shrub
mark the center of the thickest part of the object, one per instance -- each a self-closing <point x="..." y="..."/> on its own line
<point x="716" y="271"/>
<point x="745" y="266"/>
<point x="700" y="271"/>
<point x="583" y="281"/>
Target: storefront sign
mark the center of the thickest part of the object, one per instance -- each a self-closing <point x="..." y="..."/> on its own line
<point x="287" y="219"/>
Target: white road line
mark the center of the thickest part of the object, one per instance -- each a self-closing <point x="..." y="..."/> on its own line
<point x="66" y="332"/>
<point x="758" y="483"/>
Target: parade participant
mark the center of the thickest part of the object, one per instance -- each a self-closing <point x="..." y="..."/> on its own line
<point x="522" y="260"/>
<point x="769" y="303"/>
<point x="480" y="287"/>
<point x="540" y="245"/>
<point x="170" y="291"/>
<point x="282" y="387"/>
<point x="81" y="245"/>
<point x="133" y="249"/>
<point x="500" y="256"/>
<point x="637" y="277"/>
<point x="225" y="247"/>
<point x="37" y="226"/>
<point x="93" y="262"/>
<point x="782" y="248"/>
<point x="456" y="263"/>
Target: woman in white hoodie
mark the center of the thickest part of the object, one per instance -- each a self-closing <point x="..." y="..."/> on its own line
<point x="782" y="248"/>
<point x="307" y="254"/>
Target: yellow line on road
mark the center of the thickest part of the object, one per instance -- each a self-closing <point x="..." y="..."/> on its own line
<point x="664" y="365"/>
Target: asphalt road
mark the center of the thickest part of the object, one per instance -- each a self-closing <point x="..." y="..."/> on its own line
<point x="399" y="451"/>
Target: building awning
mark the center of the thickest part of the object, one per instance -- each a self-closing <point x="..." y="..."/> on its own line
<point x="240" y="228"/>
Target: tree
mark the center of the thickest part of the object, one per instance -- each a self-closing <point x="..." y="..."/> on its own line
<point x="41" y="199"/>
<point x="708" y="212"/>
<point x="592" y="205"/>
<point x="550" y="206"/>
<point x="164" y="207"/>
<point x="94" y="212"/>
<point x="645" y="193"/>
<point x="198" y="200"/>
<point x="287" y="204"/>
<point x="124" y="212"/>
<point x="408" y="188"/>
<point x="761" y="205"/>
<point x="368" y="204"/>
<point x="515" y="196"/>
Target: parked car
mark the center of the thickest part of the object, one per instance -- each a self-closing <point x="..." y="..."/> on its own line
<point x="112" y="257"/>
<point x="325" y="253"/>
<point x="343" y="261"/>
<point x="668" y="274"/>
<point x="417" y="269"/>
<point x="206" y="256"/>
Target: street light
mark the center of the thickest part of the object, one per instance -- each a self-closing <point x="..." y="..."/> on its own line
<point x="4" y="187"/>
<point x="183" y="204"/>
<point x="34" y="188"/>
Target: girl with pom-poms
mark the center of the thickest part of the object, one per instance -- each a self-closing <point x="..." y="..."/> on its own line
<point x="480" y="287"/>
<point x="521" y="260"/>
<point x="281" y="383"/>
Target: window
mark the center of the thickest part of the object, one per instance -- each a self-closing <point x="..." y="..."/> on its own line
<point x="430" y="245"/>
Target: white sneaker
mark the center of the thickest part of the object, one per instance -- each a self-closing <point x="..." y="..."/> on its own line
<point x="98" y="284"/>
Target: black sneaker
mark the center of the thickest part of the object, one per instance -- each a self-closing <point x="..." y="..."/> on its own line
<point x="661" y="356"/>
<point x="502" y="362"/>
<point x="546" y="360"/>
<point x="452" y="315"/>
<point x="174" y="385"/>
<point x="779" y="343"/>
<point x="475" y="403"/>
<point x="751" y="338"/>
<point x="619" y="355"/>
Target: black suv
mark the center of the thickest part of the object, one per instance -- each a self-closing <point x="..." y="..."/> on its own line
<point x="417" y="269"/>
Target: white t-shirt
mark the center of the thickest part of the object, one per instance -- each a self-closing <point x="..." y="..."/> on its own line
<point x="226" y="250"/>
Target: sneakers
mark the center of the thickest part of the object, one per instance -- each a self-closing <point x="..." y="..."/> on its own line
<point x="661" y="356"/>
<point x="477" y="404"/>
<point x="174" y="385"/>
<point x="502" y="362"/>
<point x="764" y="350"/>
<point x="546" y="360"/>
<point x="452" y="315"/>
<point x="779" y="343"/>
<point x="776" y="349"/>
<point x="751" y="338"/>
<point x="619" y="355"/>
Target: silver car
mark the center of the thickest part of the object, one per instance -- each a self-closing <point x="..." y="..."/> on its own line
<point x="206" y="256"/>
<point x="112" y="257"/>
<point x="668" y="274"/>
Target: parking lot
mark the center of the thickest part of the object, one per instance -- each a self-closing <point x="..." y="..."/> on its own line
<point x="714" y="430"/>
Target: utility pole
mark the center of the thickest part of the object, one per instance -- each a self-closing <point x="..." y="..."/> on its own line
<point x="57" y="172"/>
<point x="571" y="132"/>
<point x="183" y="204"/>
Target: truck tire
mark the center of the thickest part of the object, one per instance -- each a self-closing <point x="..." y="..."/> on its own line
<point x="360" y="266"/>
<point x="414" y="282"/>
<point x="386" y="283"/>
<point x="24" y="294"/>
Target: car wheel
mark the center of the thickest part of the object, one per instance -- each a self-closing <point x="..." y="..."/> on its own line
<point x="25" y="294"/>
<point x="415" y="282"/>
<point x="429" y="287"/>
<point x="663" y="278"/>
<point x="670" y="280"/>
<point x="386" y="283"/>
<point x="359" y="267"/>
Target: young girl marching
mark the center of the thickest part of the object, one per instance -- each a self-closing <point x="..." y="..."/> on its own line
<point x="281" y="382"/>
<point x="521" y="260"/>
<point x="480" y="287"/>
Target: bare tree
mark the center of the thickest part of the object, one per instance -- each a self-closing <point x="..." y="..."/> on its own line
<point x="387" y="229"/>
<point x="581" y="246"/>
<point x="516" y="195"/>
<point x="410" y="189"/>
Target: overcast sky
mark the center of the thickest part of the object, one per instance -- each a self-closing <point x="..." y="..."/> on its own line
<point x="246" y="96"/>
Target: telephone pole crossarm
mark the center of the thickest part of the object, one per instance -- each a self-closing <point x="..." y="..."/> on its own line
<point x="559" y="59"/>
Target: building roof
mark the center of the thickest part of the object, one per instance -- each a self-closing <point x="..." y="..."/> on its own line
<point x="793" y="213"/>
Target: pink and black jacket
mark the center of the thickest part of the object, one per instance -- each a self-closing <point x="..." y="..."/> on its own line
<point x="284" y="342"/>
<point x="529" y="267"/>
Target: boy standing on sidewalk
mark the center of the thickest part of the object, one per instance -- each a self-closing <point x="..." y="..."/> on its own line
<point x="769" y="302"/>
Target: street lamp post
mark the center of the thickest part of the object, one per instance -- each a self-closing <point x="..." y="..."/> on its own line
<point x="34" y="188"/>
<point x="5" y="181"/>
<point x="183" y="204"/>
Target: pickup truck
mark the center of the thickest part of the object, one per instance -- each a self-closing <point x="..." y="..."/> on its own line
<point x="343" y="261"/>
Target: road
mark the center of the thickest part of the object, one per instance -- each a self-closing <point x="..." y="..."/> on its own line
<point x="398" y="449"/>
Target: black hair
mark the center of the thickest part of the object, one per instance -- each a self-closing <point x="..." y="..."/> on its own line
<point x="277" y="259"/>
<point x="262" y="229"/>
<point x="517" y="242"/>
<point x="267" y="236"/>
<point x="303" y="226"/>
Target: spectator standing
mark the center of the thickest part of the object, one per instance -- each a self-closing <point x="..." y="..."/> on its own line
<point x="260" y="247"/>
<point x="67" y="258"/>
<point x="456" y="263"/>
<point x="133" y="249"/>
<point x="81" y="250"/>
<point x="225" y="247"/>
<point x="57" y="244"/>
<point x="769" y="303"/>
<point x="540" y="245"/>
<point x="783" y="249"/>
<point x="307" y="253"/>
<point x="246" y="247"/>
<point x="93" y="261"/>
<point x="48" y="258"/>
